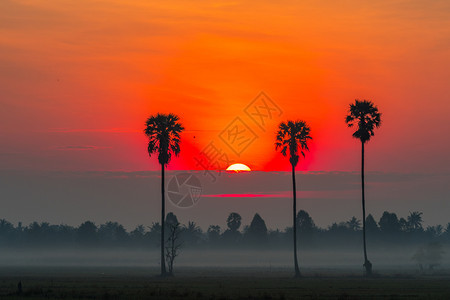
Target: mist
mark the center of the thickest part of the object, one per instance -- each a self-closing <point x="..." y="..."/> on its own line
<point x="320" y="262"/>
<point x="396" y="245"/>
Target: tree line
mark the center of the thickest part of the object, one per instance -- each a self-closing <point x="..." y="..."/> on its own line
<point x="389" y="230"/>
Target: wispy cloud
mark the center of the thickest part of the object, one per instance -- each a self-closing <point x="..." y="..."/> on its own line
<point x="77" y="147"/>
<point x="280" y="195"/>
<point x="75" y="130"/>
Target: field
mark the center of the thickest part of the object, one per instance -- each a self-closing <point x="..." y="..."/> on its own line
<point x="204" y="274"/>
<point x="213" y="283"/>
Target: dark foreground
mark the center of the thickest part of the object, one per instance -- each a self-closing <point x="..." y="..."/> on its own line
<point x="210" y="283"/>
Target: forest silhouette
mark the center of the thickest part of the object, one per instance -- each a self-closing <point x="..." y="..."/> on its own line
<point x="389" y="230"/>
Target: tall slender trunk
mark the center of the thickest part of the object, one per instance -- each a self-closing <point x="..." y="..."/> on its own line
<point x="294" y="225"/>
<point x="367" y="263"/>
<point x="163" y="214"/>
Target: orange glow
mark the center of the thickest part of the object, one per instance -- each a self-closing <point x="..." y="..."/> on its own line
<point x="238" y="167"/>
<point x="94" y="73"/>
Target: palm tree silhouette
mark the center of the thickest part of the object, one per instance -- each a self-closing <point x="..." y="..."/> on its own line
<point x="354" y="224"/>
<point x="163" y="133"/>
<point x="415" y="220"/>
<point x="365" y="115"/>
<point x="293" y="136"/>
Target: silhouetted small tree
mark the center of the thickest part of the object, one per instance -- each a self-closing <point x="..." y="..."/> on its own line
<point x="232" y="234"/>
<point x="354" y="224"/>
<point x="37" y="234"/>
<point x="171" y="218"/>
<point x="434" y="231"/>
<point x="138" y="234"/>
<point x="389" y="223"/>
<point x="234" y="221"/>
<point x="87" y="234"/>
<point x="173" y="244"/>
<point x="306" y="227"/>
<point x="447" y="232"/>
<point x="7" y="232"/>
<point x="340" y="229"/>
<point x="403" y="224"/>
<point x="371" y="225"/>
<point x="304" y="222"/>
<point x="415" y="221"/>
<point x="153" y="236"/>
<point x="430" y="255"/>
<point x="213" y="234"/>
<point x="192" y="234"/>
<point x="257" y="231"/>
<point x="112" y="233"/>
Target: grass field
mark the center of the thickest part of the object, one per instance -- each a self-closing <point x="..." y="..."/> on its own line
<point x="213" y="283"/>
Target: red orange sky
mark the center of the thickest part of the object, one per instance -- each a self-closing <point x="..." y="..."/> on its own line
<point x="78" y="79"/>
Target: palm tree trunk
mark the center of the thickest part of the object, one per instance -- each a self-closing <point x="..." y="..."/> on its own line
<point x="367" y="263"/>
<point x="163" y="214"/>
<point x="294" y="211"/>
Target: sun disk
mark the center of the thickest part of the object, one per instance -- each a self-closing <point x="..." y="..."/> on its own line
<point x="238" y="168"/>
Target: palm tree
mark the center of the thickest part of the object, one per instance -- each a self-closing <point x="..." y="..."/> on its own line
<point x="354" y="224"/>
<point x="364" y="114"/>
<point x="293" y="136"/>
<point x="163" y="133"/>
<point x="415" y="220"/>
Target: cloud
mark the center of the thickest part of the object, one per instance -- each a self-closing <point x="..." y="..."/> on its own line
<point x="76" y="130"/>
<point x="78" y="147"/>
<point x="279" y="195"/>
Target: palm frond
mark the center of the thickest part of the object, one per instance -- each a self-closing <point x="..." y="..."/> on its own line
<point x="292" y="135"/>
<point x="365" y="115"/>
<point x="163" y="132"/>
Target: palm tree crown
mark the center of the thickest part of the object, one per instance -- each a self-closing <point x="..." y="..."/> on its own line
<point x="163" y="132"/>
<point x="364" y="114"/>
<point x="290" y="136"/>
<point x="415" y="220"/>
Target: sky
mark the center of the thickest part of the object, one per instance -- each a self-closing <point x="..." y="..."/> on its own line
<point x="78" y="80"/>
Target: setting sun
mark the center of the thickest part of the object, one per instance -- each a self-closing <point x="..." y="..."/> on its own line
<point x="238" y="168"/>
